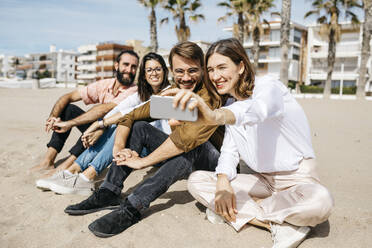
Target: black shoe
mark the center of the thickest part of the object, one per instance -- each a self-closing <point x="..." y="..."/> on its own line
<point x="116" y="221"/>
<point x="100" y="199"/>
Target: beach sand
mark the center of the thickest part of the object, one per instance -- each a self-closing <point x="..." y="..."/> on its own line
<point x="342" y="139"/>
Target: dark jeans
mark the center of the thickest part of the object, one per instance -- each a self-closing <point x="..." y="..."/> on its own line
<point x="58" y="139"/>
<point x="203" y="157"/>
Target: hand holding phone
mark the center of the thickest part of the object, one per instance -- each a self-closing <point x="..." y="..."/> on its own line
<point x="161" y="107"/>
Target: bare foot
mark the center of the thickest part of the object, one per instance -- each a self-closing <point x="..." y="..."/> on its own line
<point x="48" y="162"/>
<point x="50" y="173"/>
<point x="42" y="166"/>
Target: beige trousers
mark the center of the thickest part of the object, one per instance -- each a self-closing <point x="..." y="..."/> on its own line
<point x="296" y="197"/>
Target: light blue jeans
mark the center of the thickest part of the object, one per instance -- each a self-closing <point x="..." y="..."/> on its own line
<point x="100" y="154"/>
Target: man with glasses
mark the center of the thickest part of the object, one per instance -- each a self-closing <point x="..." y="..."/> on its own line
<point x="176" y="154"/>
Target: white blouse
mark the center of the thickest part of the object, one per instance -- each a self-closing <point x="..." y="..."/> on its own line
<point x="271" y="132"/>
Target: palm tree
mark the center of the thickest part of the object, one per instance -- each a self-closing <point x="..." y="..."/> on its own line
<point x="284" y="39"/>
<point x="255" y="10"/>
<point x="179" y="9"/>
<point x="152" y="18"/>
<point x="331" y="29"/>
<point x="367" y="31"/>
<point x="249" y="20"/>
<point x="236" y="8"/>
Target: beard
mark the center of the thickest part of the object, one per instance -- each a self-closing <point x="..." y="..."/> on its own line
<point x="125" y="81"/>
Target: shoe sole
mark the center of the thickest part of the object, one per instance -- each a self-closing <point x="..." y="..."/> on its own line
<point x="99" y="234"/>
<point x="83" y="212"/>
<point x="65" y="190"/>
<point x="42" y="186"/>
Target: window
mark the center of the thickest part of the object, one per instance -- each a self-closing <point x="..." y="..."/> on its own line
<point x="297" y="36"/>
<point x="295" y="53"/>
<point x="249" y="53"/>
<point x="275" y="35"/>
<point x="274" y="52"/>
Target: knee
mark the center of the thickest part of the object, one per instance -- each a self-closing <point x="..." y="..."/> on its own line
<point x="140" y="125"/>
<point x="196" y="179"/>
<point x="322" y="203"/>
<point x="325" y="199"/>
<point x="68" y="110"/>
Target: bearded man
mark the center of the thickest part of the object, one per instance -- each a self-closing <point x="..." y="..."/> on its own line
<point x="64" y="115"/>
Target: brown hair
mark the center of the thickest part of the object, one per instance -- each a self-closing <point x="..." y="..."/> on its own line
<point x="144" y="88"/>
<point x="192" y="51"/>
<point x="234" y="50"/>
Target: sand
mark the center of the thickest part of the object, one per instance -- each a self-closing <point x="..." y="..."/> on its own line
<point x="342" y="139"/>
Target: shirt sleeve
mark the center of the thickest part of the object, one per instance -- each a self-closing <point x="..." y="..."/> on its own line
<point x="189" y="135"/>
<point x="140" y="112"/>
<point x="266" y="102"/>
<point x="90" y="93"/>
<point x="229" y="158"/>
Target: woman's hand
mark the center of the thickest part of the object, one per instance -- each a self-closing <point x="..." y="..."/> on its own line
<point x="181" y="97"/>
<point x="225" y="200"/>
<point x="91" y="138"/>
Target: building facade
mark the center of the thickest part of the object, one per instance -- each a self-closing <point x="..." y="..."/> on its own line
<point x="106" y="55"/>
<point x="348" y="57"/>
<point x="86" y="64"/>
<point x="60" y="65"/>
<point x="270" y="51"/>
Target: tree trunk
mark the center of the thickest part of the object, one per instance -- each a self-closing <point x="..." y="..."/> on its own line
<point x="284" y="39"/>
<point x="182" y="30"/>
<point x="256" y="48"/>
<point x="330" y="62"/>
<point x="241" y="28"/>
<point x="153" y="31"/>
<point x="367" y="30"/>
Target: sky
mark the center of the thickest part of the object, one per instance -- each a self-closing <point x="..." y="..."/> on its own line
<point x="31" y="26"/>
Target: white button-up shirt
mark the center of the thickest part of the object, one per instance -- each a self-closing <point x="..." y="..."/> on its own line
<point x="271" y="132"/>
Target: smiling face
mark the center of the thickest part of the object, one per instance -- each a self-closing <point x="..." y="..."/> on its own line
<point x="126" y="69"/>
<point x="154" y="74"/>
<point x="224" y="74"/>
<point x="187" y="72"/>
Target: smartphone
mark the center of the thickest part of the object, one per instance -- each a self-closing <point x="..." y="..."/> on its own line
<point x="161" y="107"/>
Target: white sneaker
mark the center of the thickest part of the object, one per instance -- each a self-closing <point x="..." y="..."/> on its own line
<point x="44" y="184"/>
<point x="213" y="217"/>
<point x="287" y="235"/>
<point x="72" y="185"/>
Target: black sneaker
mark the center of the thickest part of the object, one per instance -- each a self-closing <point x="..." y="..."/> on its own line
<point x="115" y="222"/>
<point x="100" y="199"/>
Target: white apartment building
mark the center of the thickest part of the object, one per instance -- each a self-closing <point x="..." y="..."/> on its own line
<point x="60" y="64"/>
<point x="269" y="56"/>
<point x="348" y="57"/>
<point x="7" y="66"/>
<point x="87" y="63"/>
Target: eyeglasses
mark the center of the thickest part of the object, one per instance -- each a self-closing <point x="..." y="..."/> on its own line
<point x="150" y="70"/>
<point x="191" y="72"/>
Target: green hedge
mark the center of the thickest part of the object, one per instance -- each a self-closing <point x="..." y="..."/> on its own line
<point x="345" y="90"/>
<point x="311" y="89"/>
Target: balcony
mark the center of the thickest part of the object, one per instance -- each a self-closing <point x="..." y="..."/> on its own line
<point x="86" y="58"/>
<point x="91" y="67"/>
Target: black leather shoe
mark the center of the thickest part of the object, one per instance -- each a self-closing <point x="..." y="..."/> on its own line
<point x="99" y="200"/>
<point x="115" y="222"/>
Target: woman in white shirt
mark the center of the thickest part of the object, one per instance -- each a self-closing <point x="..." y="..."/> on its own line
<point x="267" y="129"/>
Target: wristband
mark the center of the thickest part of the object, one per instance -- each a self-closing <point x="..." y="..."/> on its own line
<point x="101" y="124"/>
